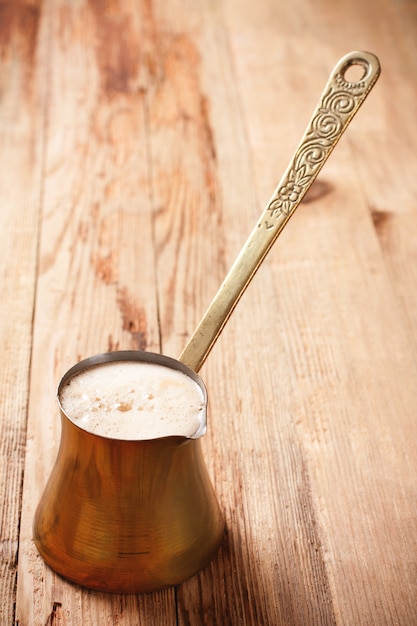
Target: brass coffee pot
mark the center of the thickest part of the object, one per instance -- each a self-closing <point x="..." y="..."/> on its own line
<point x="129" y="516"/>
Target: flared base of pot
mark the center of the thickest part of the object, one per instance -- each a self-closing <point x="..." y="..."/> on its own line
<point x="137" y="580"/>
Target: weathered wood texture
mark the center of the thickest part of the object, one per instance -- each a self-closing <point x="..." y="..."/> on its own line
<point x="21" y="141"/>
<point x="139" y="141"/>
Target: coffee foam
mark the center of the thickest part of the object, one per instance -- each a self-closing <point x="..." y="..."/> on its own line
<point x="134" y="400"/>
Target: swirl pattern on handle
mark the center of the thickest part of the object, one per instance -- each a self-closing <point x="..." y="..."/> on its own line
<point x="337" y="106"/>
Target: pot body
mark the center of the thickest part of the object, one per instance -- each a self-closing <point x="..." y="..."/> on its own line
<point x="127" y="516"/>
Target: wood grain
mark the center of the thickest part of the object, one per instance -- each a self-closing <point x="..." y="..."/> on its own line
<point x="139" y="143"/>
<point x="20" y="193"/>
<point x="96" y="273"/>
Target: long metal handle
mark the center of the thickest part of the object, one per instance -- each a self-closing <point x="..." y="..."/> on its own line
<point x="338" y="104"/>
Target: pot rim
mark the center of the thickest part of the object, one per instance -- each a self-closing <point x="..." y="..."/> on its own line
<point x="141" y="356"/>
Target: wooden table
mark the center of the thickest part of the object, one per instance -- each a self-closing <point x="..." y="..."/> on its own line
<point x="139" y="142"/>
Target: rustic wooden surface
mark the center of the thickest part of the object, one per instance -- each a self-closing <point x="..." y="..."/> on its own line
<point x="139" y="141"/>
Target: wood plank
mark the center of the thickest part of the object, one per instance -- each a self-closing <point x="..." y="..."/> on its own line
<point x="390" y="189"/>
<point x="96" y="288"/>
<point x="342" y="328"/>
<point x="260" y="576"/>
<point x="20" y="189"/>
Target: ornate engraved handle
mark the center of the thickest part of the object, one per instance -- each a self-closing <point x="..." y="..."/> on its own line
<point x="339" y="102"/>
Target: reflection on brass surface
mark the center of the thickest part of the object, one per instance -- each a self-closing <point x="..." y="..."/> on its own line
<point x="338" y="104"/>
<point x="127" y="516"/>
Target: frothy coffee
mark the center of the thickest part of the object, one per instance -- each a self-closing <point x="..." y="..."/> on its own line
<point x="134" y="400"/>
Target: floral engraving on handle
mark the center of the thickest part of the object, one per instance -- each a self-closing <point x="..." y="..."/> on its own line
<point x="336" y="108"/>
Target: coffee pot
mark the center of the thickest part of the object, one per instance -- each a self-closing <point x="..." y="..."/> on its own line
<point x="128" y="515"/>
